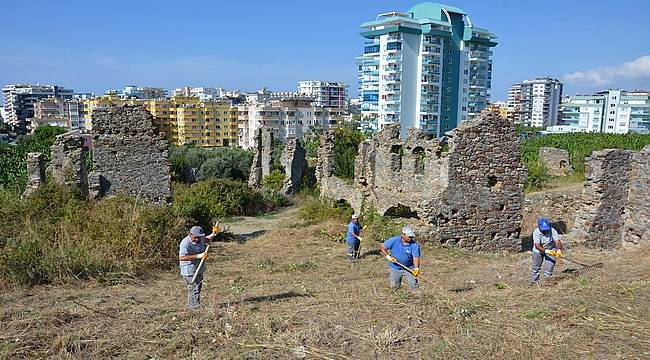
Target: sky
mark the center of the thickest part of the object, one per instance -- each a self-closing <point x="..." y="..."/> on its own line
<point x="92" y="46"/>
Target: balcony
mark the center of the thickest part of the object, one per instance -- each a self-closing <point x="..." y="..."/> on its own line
<point x="435" y="61"/>
<point x="393" y="59"/>
<point x="392" y="69"/>
<point x="392" y="90"/>
<point x="394" y="100"/>
<point x="392" y="79"/>
<point x="430" y="79"/>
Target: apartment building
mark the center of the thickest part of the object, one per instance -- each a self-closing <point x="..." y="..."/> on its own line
<point x="514" y="103"/>
<point x="203" y="93"/>
<point x="610" y="111"/>
<point x="185" y="120"/>
<point x="19" y="100"/>
<point x="142" y="92"/>
<point x="428" y="68"/>
<point x="53" y="111"/>
<point x="539" y="102"/>
<point x="326" y="93"/>
<point x="291" y="116"/>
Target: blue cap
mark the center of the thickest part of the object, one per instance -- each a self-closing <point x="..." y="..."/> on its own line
<point x="196" y="231"/>
<point x="544" y="224"/>
<point x="406" y="230"/>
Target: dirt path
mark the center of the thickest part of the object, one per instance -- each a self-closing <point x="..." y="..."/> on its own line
<point x="287" y="292"/>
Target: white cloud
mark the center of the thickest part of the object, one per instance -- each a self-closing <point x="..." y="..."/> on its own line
<point x="634" y="70"/>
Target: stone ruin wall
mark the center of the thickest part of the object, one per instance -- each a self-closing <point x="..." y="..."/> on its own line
<point x="263" y="157"/>
<point x="615" y="199"/>
<point x="292" y="159"/>
<point x="68" y="166"/>
<point x="35" y="172"/>
<point x="130" y="156"/>
<point x="472" y="195"/>
<point x="557" y="161"/>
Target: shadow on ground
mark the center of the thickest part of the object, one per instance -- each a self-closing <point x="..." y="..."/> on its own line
<point x="240" y="238"/>
<point x="267" y="298"/>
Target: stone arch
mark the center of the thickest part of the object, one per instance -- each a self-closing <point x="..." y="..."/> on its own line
<point x="396" y="154"/>
<point x="401" y="211"/>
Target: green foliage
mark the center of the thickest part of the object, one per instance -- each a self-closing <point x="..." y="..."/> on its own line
<point x="537" y="176"/>
<point x="379" y="228"/>
<point x="212" y="199"/>
<point x="346" y="144"/>
<point x="579" y="146"/>
<point x="13" y="158"/>
<point x="54" y="237"/>
<point x="88" y="161"/>
<point x="274" y="180"/>
<point x="221" y="163"/>
<point x="276" y="154"/>
<point x="315" y="210"/>
<point x="311" y="145"/>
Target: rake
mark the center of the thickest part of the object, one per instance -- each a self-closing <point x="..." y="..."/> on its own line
<point x="585" y="267"/>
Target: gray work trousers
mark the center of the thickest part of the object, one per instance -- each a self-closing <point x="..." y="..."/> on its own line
<point x="395" y="278"/>
<point x="194" y="291"/>
<point x="539" y="260"/>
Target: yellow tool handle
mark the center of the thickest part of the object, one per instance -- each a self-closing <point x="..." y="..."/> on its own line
<point x="198" y="269"/>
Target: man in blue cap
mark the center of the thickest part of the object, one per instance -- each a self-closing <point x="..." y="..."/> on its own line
<point x="546" y="247"/>
<point x="353" y="237"/>
<point x="192" y="250"/>
<point x="405" y="251"/>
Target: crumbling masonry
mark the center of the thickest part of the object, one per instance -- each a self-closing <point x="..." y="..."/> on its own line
<point x="130" y="156"/>
<point x="262" y="159"/>
<point x="472" y="195"/>
<point x="67" y="165"/>
<point x="292" y="160"/>
<point x="557" y="161"/>
<point x="615" y="199"/>
<point x="35" y="172"/>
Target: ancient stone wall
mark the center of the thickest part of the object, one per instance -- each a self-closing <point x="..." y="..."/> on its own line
<point x="472" y="195"/>
<point x="559" y="206"/>
<point x="599" y="222"/>
<point x="294" y="162"/>
<point x="557" y="161"/>
<point x="130" y="156"/>
<point x="68" y="164"/>
<point x="35" y="172"/>
<point x="636" y="216"/>
<point x="263" y="158"/>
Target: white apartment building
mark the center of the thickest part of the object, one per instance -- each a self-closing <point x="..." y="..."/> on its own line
<point x="428" y="68"/>
<point x="326" y="93"/>
<point x="290" y="116"/>
<point x="66" y="113"/>
<point x="539" y="102"/>
<point x="514" y="102"/>
<point x="203" y="93"/>
<point x="19" y="101"/>
<point x="610" y="111"/>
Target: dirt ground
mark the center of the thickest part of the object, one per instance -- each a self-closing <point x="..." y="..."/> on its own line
<point x="284" y="290"/>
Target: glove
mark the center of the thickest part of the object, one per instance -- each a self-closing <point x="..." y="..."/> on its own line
<point x="558" y="253"/>
<point x="203" y="255"/>
<point x="416" y="272"/>
<point x="360" y="238"/>
<point x="391" y="259"/>
<point x="215" y="228"/>
<point x="552" y="252"/>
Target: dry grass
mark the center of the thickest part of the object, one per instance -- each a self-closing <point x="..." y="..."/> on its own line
<point x="289" y="293"/>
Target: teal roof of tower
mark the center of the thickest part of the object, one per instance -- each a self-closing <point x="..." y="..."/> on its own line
<point x="429" y="10"/>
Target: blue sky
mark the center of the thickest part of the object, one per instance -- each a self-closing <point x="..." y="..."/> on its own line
<point x="92" y="46"/>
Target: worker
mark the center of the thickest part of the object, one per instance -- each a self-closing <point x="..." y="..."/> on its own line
<point x="404" y="254"/>
<point x="546" y="248"/>
<point x="192" y="250"/>
<point x="353" y="238"/>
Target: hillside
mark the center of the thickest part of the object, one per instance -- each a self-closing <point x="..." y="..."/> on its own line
<point x="284" y="290"/>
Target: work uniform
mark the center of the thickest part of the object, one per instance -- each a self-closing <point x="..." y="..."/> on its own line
<point x="404" y="254"/>
<point x="188" y="268"/>
<point x="548" y="242"/>
<point x="354" y="228"/>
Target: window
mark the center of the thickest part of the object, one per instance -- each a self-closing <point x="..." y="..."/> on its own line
<point x="466" y="72"/>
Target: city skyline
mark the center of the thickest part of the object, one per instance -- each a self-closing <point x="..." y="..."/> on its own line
<point x="108" y="46"/>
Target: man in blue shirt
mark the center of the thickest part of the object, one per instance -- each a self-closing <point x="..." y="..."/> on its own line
<point x="190" y="253"/>
<point x="403" y="250"/>
<point x="353" y="238"/>
<point x="546" y="247"/>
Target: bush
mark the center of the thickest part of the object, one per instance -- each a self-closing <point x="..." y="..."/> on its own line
<point x="274" y="180"/>
<point x="222" y="163"/>
<point x="207" y="201"/>
<point x="346" y="144"/>
<point x="379" y="228"/>
<point x="537" y="176"/>
<point x="13" y="158"/>
<point x="55" y="237"/>
<point x="315" y="210"/>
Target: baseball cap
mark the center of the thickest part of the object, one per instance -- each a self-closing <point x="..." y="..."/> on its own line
<point x="406" y="230"/>
<point x="196" y="231"/>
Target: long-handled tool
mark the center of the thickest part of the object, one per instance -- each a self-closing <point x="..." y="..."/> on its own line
<point x="198" y="269"/>
<point x="585" y="267"/>
<point x="358" y="251"/>
<point x="417" y="277"/>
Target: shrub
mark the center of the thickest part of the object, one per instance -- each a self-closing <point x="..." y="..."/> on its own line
<point x="537" y="176"/>
<point x="346" y="144"/>
<point x="274" y="180"/>
<point x="55" y="237"/>
<point x="222" y="163"/>
<point x="317" y="209"/>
